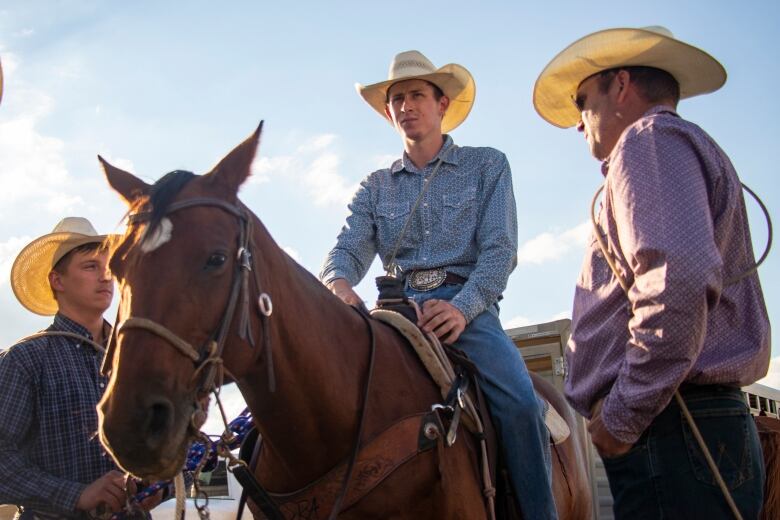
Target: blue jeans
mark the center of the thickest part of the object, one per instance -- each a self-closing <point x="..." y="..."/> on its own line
<point x="517" y="412"/>
<point x="665" y="475"/>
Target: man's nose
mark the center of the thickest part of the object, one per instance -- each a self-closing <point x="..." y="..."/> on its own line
<point x="407" y="104"/>
<point x="580" y="126"/>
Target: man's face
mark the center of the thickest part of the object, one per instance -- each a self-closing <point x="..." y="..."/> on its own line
<point x="599" y="119"/>
<point x="414" y="110"/>
<point x="86" y="282"/>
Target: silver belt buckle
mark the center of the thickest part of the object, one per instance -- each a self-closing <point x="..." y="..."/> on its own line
<point x="427" y="280"/>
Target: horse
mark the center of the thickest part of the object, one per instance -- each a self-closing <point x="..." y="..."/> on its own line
<point x="205" y="291"/>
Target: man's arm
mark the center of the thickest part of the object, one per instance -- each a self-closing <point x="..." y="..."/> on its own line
<point x="666" y="234"/>
<point x="355" y="246"/>
<point x="496" y="239"/>
<point x="21" y="482"/>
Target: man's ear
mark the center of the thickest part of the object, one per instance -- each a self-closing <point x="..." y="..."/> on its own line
<point x="55" y="282"/>
<point x="622" y="81"/>
<point x="444" y="104"/>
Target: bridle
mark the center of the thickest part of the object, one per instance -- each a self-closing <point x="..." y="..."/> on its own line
<point x="208" y="358"/>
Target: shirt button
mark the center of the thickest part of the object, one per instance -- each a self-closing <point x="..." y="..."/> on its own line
<point x="392" y="214"/>
<point x="425" y="258"/>
<point x="425" y="204"/>
<point x="102" y="385"/>
<point x="427" y="232"/>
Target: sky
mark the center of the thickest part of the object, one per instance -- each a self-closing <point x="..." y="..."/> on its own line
<point x="155" y="86"/>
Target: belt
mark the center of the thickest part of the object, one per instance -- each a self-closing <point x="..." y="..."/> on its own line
<point x="429" y="279"/>
<point x="690" y="389"/>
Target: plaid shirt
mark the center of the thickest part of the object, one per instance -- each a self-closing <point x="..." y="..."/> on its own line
<point x="49" y="450"/>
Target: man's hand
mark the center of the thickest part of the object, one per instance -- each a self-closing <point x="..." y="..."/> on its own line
<point x="341" y="288"/>
<point x="149" y="502"/>
<point x="605" y="443"/>
<point x="443" y="319"/>
<point x="108" y="489"/>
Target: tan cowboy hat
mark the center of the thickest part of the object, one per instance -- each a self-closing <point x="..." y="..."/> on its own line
<point x="30" y="272"/>
<point x="454" y="80"/>
<point x="696" y="71"/>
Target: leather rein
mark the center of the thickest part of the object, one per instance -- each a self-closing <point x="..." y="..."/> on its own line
<point x="208" y="358"/>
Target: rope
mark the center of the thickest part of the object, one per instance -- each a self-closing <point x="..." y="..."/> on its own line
<point x="181" y="504"/>
<point x="680" y="401"/>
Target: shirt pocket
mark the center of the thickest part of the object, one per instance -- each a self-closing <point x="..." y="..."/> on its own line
<point x="459" y="213"/>
<point x="595" y="270"/>
<point x="390" y="220"/>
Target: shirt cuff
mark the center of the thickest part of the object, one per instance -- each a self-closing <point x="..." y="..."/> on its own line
<point x="620" y="421"/>
<point x="67" y="495"/>
<point x="469" y="308"/>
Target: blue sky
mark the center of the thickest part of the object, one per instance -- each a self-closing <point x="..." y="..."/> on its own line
<point x="156" y="86"/>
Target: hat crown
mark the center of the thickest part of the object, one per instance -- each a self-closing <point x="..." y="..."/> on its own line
<point x="408" y="64"/>
<point x="75" y="225"/>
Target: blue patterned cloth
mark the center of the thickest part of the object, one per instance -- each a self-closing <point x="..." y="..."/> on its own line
<point x="49" y="450"/>
<point x="466" y="223"/>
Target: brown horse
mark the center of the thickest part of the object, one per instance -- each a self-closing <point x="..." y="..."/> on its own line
<point x="176" y="268"/>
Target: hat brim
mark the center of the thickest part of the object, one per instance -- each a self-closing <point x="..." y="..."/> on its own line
<point x="30" y="271"/>
<point x="454" y="80"/>
<point x="696" y="71"/>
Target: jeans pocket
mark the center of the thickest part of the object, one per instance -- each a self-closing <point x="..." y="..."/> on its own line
<point x="727" y="436"/>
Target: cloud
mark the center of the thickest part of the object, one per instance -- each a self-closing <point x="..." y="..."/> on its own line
<point x="8" y="251"/>
<point x="293" y="253"/>
<point x="772" y="377"/>
<point x="314" y="167"/>
<point x="233" y="403"/>
<point x="549" y="246"/>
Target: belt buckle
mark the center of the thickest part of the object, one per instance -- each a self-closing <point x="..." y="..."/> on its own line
<point x="427" y="279"/>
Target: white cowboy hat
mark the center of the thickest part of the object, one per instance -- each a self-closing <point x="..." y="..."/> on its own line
<point x="454" y="80"/>
<point x="696" y="71"/>
<point x="30" y="272"/>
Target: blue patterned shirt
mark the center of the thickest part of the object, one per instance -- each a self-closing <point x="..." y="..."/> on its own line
<point x="466" y="223"/>
<point x="49" y="450"/>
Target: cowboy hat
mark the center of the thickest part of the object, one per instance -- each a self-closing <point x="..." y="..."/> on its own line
<point x="454" y="80"/>
<point x="696" y="71"/>
<point x="30" y="272"/>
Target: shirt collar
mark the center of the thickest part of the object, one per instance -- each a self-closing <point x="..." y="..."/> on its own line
<point x="657" y="109"/>
<point x="448" y="154"/>
<point x="63" y="323"/>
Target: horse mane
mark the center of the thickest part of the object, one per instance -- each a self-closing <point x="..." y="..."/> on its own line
<point x="154" y="205"/>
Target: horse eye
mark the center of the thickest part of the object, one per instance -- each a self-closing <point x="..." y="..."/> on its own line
<point x="216" y="260"/>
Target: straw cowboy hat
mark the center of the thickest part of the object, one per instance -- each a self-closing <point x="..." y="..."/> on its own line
<point x="696" y="71"/>
<point x="454" y="80"/>
<point x="30" y="272"/>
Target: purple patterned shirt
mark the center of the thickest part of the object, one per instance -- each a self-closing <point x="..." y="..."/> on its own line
<point x="675" y="221"/>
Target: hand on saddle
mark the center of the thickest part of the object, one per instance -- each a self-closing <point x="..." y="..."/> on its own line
<point x="443" y="319"/>
<point x="341" y="288"/>
<point x="606" y="444"/>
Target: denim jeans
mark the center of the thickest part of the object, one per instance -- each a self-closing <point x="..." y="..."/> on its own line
<point x="516" y="411"/>
<point x="665" y="474"/>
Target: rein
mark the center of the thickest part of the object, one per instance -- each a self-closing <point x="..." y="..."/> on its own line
<point x="209" y="356"/>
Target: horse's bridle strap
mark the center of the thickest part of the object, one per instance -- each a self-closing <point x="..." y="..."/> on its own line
<point x="155" y="328"/>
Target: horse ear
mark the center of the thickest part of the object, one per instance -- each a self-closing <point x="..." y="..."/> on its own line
<point x="126" y="184"/>
<point x="235" y="167"/>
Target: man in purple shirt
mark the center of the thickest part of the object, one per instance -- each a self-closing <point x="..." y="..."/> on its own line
<point x="680" y="308"/>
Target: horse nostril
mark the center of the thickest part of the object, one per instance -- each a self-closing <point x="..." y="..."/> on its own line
<point x="160" y="415"/>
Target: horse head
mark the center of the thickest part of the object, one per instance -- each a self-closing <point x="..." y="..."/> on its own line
<point x="185" y="269"/>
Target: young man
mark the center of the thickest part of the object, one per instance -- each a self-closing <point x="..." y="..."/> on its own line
<point x="690" y="317"/>
<point x="51" y="462"/>
<point x="456" y="253"/>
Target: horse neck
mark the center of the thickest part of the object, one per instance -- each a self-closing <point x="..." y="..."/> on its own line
<point x="320" y="353"/>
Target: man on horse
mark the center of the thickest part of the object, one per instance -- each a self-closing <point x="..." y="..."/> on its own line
<point x="51" y="462"/>
<point x="682" y="309"/>
<point x="443" y="218"/>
